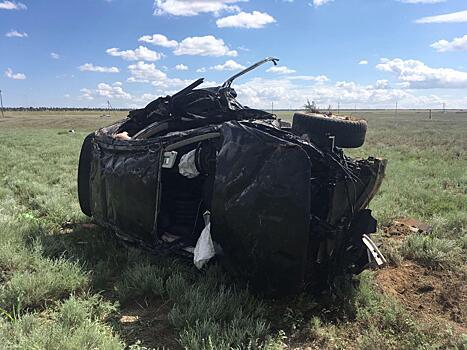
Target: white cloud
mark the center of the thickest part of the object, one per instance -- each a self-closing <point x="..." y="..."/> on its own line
<point x="170" y="85"/>
<point x="317" y="3"/>
<point x="112" y="91"/>
<point x="141" y="53"/>
<point x="318" y="78"/>
<point x="55" y="55"/>
<point x="144" y="98"/>
<point x="89" y="67"/>
<point x="86" y="94"/>
<point x="159" y="40"/>
<point x="260" y="92"/>
<point x="204" y="46"/>
<point x="16" y="34"/>
<point x="16" y="76"/>
<point x="228" y="65"/>
<point x="108" y="91"/>
<point x="11" y="5"/>
<point x="457" y="44"/>
<point x="455" y="17"/>
<point x="421" y="1"/>
<point x="285" y="93"/>
<point x="142" y="72"/>
<point x="363" y="62"/>
<point x="280" y="70"/>
<point x="181" y="67"/>
<point x="254" y="20"/>
<point x="382" y="84"/>
<point x="194" y="7"/>
<point x="196" y="46"/>
<point x="201" y="70"/>
<point x="419" y="75"/>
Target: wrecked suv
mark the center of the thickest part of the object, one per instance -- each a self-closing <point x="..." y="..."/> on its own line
<point x="199" y="174"/>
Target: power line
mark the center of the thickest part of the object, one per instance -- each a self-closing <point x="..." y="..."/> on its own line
<point x="1" y="103"/>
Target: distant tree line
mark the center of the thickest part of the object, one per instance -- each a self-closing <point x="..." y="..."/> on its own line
<point x="45" y="109"/>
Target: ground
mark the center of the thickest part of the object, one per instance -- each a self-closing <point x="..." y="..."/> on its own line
<point x="67" y="284"/>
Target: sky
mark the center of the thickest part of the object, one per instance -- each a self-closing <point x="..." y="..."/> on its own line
<point x="363" y="53"/>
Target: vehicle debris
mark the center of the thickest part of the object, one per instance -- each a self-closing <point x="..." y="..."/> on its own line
<point x="413" y="225"/>
<point x="199" y="174"/>
<point x="374" y="251"/>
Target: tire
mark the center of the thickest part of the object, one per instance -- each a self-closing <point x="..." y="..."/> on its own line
<point x="84" y="174"/>
<point x="348" y="133"/>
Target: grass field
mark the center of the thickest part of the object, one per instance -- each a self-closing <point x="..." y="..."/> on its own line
<point x="67" y="284"/>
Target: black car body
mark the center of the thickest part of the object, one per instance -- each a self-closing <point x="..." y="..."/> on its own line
<point x="286" y="212"/>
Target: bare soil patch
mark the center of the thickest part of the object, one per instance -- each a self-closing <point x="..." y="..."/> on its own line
<point x="146" y="321"/>
<point x="431" y="296"/>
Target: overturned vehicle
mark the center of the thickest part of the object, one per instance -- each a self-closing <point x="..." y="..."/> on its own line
<point x="197" y="173"/>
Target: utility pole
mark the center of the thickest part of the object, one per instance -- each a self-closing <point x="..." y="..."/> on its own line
<point x="444" y="107"/>
<point x="1" y="103"/>
<point x="272" y="107"/>
<point x="397" y="109"/>
<point x="338" y="107"/>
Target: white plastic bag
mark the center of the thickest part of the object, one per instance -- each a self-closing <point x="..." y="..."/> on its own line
<point x="187" y="165"/>
<point x="204" y="249"/>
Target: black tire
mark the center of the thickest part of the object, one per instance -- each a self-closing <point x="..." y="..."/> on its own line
<point x="318" y="127"/>
<point x="84" y="174"/>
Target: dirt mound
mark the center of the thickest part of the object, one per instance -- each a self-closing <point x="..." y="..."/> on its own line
<point x="428" y="294"/>
<point x="431" y="295"/>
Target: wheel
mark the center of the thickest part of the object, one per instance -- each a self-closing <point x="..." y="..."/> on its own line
<point x="84" y="173"/>
<point x="349" y="133"/>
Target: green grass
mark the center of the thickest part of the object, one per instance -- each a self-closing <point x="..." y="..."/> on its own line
<point x="64" y="285"/>
<point x="76" y="323"/>
<point x="378" y="322"/>
<point x="433" y="252"/>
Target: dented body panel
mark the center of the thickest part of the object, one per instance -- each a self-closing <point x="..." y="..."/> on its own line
<point x="286" y="213"/>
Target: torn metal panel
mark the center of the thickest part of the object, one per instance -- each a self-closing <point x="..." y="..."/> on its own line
<point x="124" y="181"/>
<point x="261" y="206"/>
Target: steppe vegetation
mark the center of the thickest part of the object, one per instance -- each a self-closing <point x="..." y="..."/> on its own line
<point x="67" y="284"/>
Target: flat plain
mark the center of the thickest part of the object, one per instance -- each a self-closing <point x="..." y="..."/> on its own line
<point x="65" y="283"/>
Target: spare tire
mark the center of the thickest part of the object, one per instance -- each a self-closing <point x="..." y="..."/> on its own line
<point x="84" y="174"/>
<point x="349" y="133"/>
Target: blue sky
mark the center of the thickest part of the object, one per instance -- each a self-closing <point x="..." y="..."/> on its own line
<point x="371" y="53"/>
